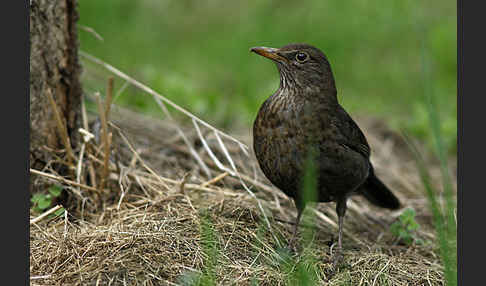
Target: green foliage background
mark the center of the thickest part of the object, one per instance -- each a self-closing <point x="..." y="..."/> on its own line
<point x="197" y="54"/>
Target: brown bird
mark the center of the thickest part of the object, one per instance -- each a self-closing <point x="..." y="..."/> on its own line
<point x="304" y="115"/>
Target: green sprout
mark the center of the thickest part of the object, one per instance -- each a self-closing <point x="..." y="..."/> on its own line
<point x="405" y="228"/>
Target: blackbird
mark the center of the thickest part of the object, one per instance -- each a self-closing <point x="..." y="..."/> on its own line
<point x="303" y="118"/>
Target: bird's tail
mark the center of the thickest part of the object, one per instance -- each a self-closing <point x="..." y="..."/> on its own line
<point x="375" y="191"/>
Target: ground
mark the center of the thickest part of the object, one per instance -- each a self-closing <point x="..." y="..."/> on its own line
<point x="161" y="220"/>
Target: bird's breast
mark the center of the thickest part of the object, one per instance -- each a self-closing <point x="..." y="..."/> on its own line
<point x="281" y="136"/>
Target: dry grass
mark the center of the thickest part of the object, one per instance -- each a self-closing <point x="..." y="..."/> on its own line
<point x="144" y="226"/>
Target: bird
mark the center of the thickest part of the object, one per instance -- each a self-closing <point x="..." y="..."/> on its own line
<point x="303" y="121"/>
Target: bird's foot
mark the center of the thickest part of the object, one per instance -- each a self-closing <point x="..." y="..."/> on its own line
<point x="294" y="245"/>
<point x="337" y="257"/>
<point x="337" y="260"/>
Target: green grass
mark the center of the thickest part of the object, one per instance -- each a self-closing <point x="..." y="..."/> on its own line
<point x="196" y="53"/>
<point x="211" y="253"/>
<point x="444" y="218"/>
<point x="443" y="214"/>
<point x="295" y="269"/>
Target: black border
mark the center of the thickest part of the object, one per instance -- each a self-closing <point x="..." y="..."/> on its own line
<point x="471" y="116"/>
<point x="23" y="185"/>
<point x="15" y="118"/>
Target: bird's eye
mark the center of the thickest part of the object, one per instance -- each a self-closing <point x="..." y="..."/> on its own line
<point x="301" y="57"/>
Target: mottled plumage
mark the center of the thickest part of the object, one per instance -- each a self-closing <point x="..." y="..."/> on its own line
<point x="304" y="114"/>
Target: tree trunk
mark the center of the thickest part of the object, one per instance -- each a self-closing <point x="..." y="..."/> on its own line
<point x="54" y="69"/>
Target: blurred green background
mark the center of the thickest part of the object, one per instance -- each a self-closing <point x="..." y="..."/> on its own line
<point x="388" y="57"/>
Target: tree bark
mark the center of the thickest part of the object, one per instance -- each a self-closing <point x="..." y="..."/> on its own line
<point x="55" y="69"/>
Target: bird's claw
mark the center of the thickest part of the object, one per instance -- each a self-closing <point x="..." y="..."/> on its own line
<point x="336" y="258"/>
<point x="294" y="246"/>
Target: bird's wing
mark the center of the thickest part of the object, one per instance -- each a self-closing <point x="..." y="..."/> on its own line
<point x="352" y="136"/>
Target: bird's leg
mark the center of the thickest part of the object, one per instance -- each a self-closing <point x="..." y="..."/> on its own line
<point x="341" y="210"/>
<point x="340" y="222"/>
<point x="293" y="239"/>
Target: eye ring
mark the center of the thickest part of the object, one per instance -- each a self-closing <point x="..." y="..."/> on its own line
<point x="301" y="57"/>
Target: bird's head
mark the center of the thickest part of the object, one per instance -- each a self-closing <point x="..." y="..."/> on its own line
<point x="301" y="66"/>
